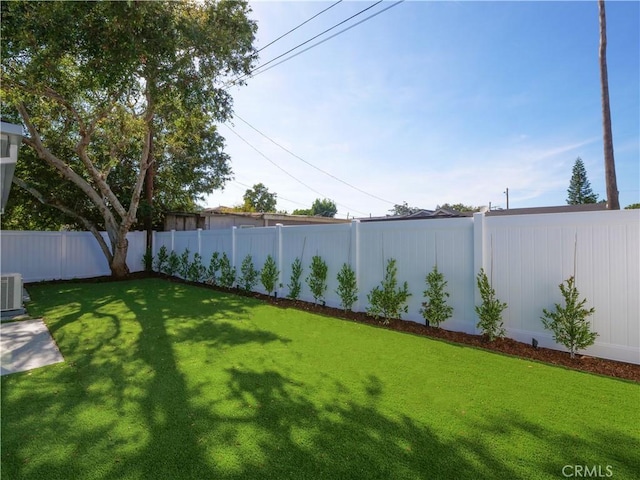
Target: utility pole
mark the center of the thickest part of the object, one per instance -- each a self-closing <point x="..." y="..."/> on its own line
<point x="507" y="193"/>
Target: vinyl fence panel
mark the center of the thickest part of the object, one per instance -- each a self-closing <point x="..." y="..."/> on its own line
<point x="525" y="256"/>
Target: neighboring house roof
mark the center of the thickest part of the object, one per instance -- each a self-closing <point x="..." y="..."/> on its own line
<point x="420" y="215"/>
<point x="271" y="216"/>
<point x="587" y="207"/>
<point x="223" y="217"/>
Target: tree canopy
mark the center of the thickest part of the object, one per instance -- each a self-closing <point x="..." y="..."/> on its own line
<point x="404" y="209"/>
<point x="108" y="90"/>
<point x="259" y="199"/>
<point x="579" y="190"/>
<point x="459" y="207"/>
<point x="320" y="207"/>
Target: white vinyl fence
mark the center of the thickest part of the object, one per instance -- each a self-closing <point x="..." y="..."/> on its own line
<point x="526" y="257"/>
<point x="41" y="256"/>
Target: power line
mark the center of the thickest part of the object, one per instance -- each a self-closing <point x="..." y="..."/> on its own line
<point x="297" y="27"/>
<point x="312" y="165"/>
<point x="254" y="72"/>
<point x="287" y="173"/>
<point x="306" y="41"/>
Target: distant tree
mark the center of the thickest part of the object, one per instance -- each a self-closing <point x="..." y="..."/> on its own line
<point x="458" y="207"/>
<point x="324" y="208"/>
<point x="259" y="199"/>
<point x="632" y="206"/>
<point x="321" y="208"/>
<point x="609" y="164"/>
<point x="579" y="191"/>
<point x="302" y="211"/>
<point x="403" y="209"/>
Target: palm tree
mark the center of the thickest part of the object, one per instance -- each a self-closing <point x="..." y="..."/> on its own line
<point x="609" y="163"/>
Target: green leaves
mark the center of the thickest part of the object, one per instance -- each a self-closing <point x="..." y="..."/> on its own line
<point x="435" y="310"/>
<point x="107" y="90"/>
<point x="317" y="279"/>
<point x="269" y="274"/>
<point x="295" y="286"/>
<point x="347" y="287"/>
<point x="248" y="274"/>
<point x="569" y="322"/>
<point x="490" y="311"/>
<point x="387" y="300"/>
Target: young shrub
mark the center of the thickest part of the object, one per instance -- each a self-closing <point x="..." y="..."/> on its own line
<point x="173" y="264"/>
<point x="269" y="274"/>
<point x="227" y="272"/>
<point x="569" y="322"/>
<point x="435" y="309"/>
<point x="160" y="263"/>
<point x="147" y="260"/>
<point x="213" y="269"/>
<point x="248" y="274"/>
<point x="183" y="270"/>
<point x="490" y="312"/>
<point x="347" y="287"/>
<point x="196" y="271"/>
<point x="295" y="286"/>
<point x="317" y="279"/>
<point x="387" y="300"/>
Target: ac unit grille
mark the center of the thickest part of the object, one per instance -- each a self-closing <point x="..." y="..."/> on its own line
<point x="11" y="292"/>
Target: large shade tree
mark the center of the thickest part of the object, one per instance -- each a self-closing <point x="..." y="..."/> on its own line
<point x="107" y="90"/>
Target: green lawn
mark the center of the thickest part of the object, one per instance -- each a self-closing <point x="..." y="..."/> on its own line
<point x="168" y="381"/>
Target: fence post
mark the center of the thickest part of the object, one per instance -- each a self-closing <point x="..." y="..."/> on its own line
<point x="154" y="244"/>
<point x="479" y="253"/>
<point x="62" y="271"/>
<point x="199" y="241"/>
<point x="173" y="233"/>
<point x="278" y="258"/>
<point x="234" y="229"/>
<point x="355" y="259"/>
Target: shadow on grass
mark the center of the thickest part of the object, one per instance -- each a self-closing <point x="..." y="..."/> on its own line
<point x="119" y="360"/>
<point x="75" y="421"/>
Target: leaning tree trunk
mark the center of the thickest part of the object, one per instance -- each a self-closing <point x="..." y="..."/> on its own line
<point x="118" y="263"/>
<point x="609" y="164"/>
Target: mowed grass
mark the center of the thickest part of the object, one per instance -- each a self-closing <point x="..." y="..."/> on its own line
<point x="168" y="381"/>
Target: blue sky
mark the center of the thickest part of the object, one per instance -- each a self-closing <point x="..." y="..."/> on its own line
<point x="434" y="102"/>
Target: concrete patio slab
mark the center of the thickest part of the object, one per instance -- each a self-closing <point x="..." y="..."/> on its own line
<point x="25" y="345"/>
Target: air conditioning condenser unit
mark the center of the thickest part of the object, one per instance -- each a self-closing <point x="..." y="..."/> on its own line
<point x="11" y="292"/>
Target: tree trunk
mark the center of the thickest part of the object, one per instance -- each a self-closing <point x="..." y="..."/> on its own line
<point x="118" y="264"/>
<point x="609" y="164"/>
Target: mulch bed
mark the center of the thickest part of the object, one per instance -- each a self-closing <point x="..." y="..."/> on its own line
<point x="600" y="366"/>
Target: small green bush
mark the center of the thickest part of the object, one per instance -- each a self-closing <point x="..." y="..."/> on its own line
<point x="347" y="287"/>
<point x="435" y="309"/>
<point x="269" y="274"/>
<point x="387" y="300"/>
<point x="196" y="271"/>
<point x="161" y="260"/>
<point x="147" y="260"/>
<point x="490" y="312"/>
<point x="213" y="269"/>
<point x="183" y="270"/>
<point x="569" y="322"/>
<point x="227" y="272"/>
<point x="173" y="264"/>
<point x="317" y="279"/>
<point x="248" y="274"/>
<point x="296" y="273"/>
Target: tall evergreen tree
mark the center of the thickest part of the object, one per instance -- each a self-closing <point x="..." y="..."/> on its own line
<point x="579" y="190"/>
